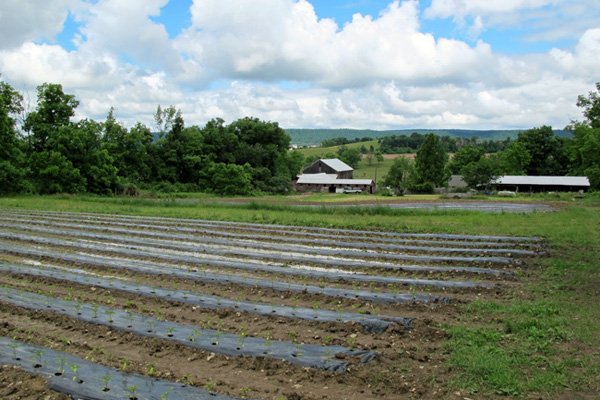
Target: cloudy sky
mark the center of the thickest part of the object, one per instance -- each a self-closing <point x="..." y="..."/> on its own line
<point x="376" y="64"/>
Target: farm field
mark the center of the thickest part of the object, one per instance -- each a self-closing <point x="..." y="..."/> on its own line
<point x="235" y="304"/>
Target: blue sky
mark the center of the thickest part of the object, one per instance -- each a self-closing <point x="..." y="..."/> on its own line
<point x="477" y="64"/>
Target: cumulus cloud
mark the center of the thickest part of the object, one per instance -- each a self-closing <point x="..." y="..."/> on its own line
<point x="273" y="40"/>
<point x="28" y="20"/>
<point x="379" y="72"/>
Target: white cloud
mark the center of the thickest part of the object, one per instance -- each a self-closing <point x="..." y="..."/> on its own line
<point x="28" y="20"/>
<point x="374" y="72"/>
<point x="283" y="40"/>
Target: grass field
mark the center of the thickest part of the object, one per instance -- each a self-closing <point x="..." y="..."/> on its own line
<point x="537" y="340"/>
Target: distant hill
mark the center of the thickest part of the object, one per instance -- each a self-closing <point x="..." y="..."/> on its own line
<point x="306" y="137"/>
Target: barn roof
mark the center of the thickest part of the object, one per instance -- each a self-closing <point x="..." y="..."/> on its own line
<point x="337" y="165"/>
<point x="543" y="180"/>
<point x="330" y="179"/>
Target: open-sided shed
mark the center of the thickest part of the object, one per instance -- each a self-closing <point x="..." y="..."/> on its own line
<point x="518" y="183"/>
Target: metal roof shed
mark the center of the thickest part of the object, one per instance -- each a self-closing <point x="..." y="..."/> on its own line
<point x="522" y="183"/>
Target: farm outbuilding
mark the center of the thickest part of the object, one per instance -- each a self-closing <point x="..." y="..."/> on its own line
<point x="330" y="166"/>
<point x="528" y="184"/>
<point x="331" y="184"/>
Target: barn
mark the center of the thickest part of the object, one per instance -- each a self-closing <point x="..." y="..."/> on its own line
<point x="331" y="176"/>
<point x="530" y="184"/>
<point x="330" y="166"/>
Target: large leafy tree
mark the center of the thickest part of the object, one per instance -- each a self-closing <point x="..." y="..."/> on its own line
<point x="12" y="174"/>
<point x="584" y="148"/>
<point x="466" y="155"/>
<point x="431" y="160"/>
<point x="82" y="146"/>
<point x="514" y="159"/>
<point x="546" y="151"/>
<point x="129" y="149"/>
<point x="481" y="172"/>
<point x="400" y="176"/>
<point x="54" y="110"/>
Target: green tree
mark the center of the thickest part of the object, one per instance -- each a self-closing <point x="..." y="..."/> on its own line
<point x="481" y="172"/>
<point x="546" y="151"/>
<point x="82" y="145"/>
<point x="54" y="110"/>
<point x="514" y="159"/>
<point x="12" y="173"/>
<point x="400" y="176"/>
<point x="430" y="161"/>
<point x="351" y="156"/>
<point x="583" y="149"/>
<point x="591" y="108"/>
<point x="228" y="179"/>
<point x="466" y="155"/>
<point x="54" y="173"/>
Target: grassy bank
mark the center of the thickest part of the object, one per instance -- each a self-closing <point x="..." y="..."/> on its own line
<point x="539" y="340"/>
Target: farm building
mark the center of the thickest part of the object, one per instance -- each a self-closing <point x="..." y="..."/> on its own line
<point x="330" y="166"/>
<point x="331" y="175"/>
<point x="517" y="183"/>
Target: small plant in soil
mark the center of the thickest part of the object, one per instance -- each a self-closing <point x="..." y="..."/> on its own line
<point x="216" y="338"/>
<point x="151" y="325"/>
<point x="125" y="362"/>
<point x="170" y="331"/>
<point x="130" y="316"/>
<point x="186" y="380"/>
<point x="14" y="348"/>
<point x="95" y="310"/>
<point x="150" y="368"/>
<point x="106" y="380"/>
<point x="245" y="391"/>
<point x="62" y="362"/>
<point x="132" y="390"/>
<point x="165" y="395"/>
<point x="298" y="347"/>
<point x="76" y="378"/>
<point x="38" y="357"/>
<point x="109" y="313"/>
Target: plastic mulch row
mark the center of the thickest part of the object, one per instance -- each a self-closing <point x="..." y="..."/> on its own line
<point x="242" y="240"/>
<point x="174" y="241"/>
<point x="82" y="379"/>
<point x="305" y="355"/>
<point x="151" y="268"/>
<point x="295" y="228"/>
<point x="370" y="323"/>
<point x="143" y="251"/>
<point x="199" y="227"/>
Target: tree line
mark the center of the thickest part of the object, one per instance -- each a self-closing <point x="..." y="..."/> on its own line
<point x="536" y="151"/>
<point x="46" y="152"/>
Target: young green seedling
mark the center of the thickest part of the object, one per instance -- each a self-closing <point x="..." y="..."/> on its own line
<point x="170" y="331"/>
<point x="39" y="354"/>
<point x="109" y="313"/>
<point x="125" y="362"/>
<point x="62" y="362"/>
<point x="76" y="378"/>
<point x="105" y="379"/>
<point x="151" y="368"/>
<point x="14" y="348"/>
<point x="132" y="390"/>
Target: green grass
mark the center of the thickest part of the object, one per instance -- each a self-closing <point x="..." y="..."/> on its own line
<point x="539" y="340"/>
<point x="321" y="151"/>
